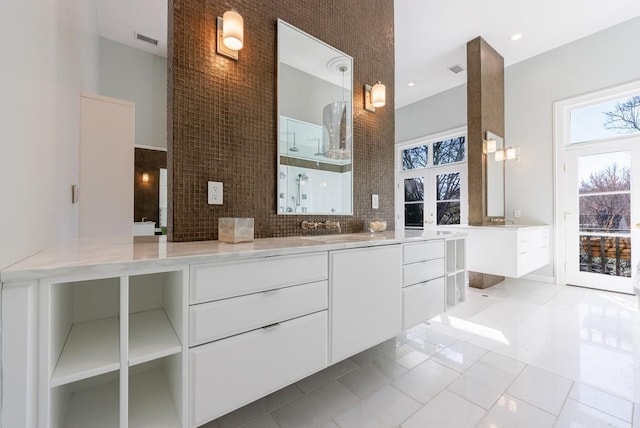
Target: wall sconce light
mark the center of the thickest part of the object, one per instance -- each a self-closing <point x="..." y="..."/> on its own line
<point x="375" y="96"/>
<point x="230" y="34"/>
<point x="145" y="177"/>
<point x="513" y="153"/>
<point x="510" y="153"/>
<point x="490" y="146"/>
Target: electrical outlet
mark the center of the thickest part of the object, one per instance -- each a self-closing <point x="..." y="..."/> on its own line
<point x="374" y="202"/>
<point x="517" y="213"/>
<point x="214" y="193"/>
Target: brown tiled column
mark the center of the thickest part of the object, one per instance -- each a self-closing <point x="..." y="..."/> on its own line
<point x="485" y="112"/>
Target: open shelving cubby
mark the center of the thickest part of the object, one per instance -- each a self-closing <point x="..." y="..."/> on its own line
<point x="456" y="272"/>
<point x="116" y="354"/>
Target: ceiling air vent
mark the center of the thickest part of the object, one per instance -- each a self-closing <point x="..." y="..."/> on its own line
<point x="457" y="68"/>
<point x="146" y="39"/>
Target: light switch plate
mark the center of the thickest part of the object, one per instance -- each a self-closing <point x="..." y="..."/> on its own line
<point x="214" y="193"/>
<point x="374" y="202"/>
<point x="517" y="213"/>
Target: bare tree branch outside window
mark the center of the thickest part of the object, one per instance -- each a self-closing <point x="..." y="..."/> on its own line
<point x="625" y="116"/>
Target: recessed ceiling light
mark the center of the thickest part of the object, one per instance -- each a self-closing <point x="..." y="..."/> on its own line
<point x="516" y="36"/>
<point x="411" y="84"/>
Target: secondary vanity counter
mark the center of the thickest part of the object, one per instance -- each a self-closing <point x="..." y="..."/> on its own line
<point x="112" y="255"/>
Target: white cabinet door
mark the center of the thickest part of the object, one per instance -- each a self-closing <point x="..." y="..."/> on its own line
<point x="422" y="302"/>
<point x="107" y="135"/>
<point x="230" y="373"/>
<point x="366" y="298"/>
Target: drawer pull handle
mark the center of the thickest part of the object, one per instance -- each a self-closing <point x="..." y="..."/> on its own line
<point x="271" y="326"/>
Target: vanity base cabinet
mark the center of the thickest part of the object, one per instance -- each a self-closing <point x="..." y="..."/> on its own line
<point x="365" y="298"/>
<point x="232" y="372"/>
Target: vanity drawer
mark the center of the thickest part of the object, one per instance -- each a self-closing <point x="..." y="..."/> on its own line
<point x="420" y="251"/>
<point x="223" y="318"/>
<point x="422" y="271"/>
<point x="230" y="373"/>
<point x="422" y="301"/>
<point x="217" y="281"/>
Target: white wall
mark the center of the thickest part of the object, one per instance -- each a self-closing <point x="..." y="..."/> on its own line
<point x="601" y="60"/>
<point x="134" y="75"/>
<point x="49" y="54"/>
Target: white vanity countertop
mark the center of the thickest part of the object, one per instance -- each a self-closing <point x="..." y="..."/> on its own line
<point x="101" y="256"/>
<point x="466" y="227"/>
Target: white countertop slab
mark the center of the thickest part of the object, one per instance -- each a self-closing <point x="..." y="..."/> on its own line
<point x="103" y="256"/>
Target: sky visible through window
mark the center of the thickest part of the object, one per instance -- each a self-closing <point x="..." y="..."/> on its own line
<point x="591" y="123"/>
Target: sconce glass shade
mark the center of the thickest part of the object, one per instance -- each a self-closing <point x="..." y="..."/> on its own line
<point x="145" y="177"/>
<point x="233" y="30"/>
<point x="490" y="146"/>
<point x="378" y="94"/>
<point x="511" y="153"/>
<point x="499" y="155"/>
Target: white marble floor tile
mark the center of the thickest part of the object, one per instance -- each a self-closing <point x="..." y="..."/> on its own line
<point x="481" y="384"/>
<point x="318" y="408"/>
<point x="260" y="407"/>
<point x="424" y="346"/>
<point x="266" y="421"/>
<point x="425" y="381"/>
<point x="407" y="356"/>
<point x="328" y="375"/>
<point x="459" y="355"/>
<point x="374" y="352"/>
<point x="372" y="376"/>
<point x="578" y="415"/>
<point x="610" y="404"/>
<point x="387" y="408"/>
<point x="510" y="412"/>
<point x="446" y="410"/>
<point x="438" y="338"/>
<point x="505" y="364"/>
<point x="541" y="389"/>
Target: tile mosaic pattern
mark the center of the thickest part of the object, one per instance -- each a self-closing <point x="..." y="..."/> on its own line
<point x="526" y="356"/>
<point x="222" y="113"/>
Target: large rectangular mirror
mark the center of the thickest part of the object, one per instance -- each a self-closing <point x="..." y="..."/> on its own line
<point x="494" y="168"/>
<point x="315" y="116"/>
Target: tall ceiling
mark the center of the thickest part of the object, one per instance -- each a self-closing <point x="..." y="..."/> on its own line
<point x="430" y="35"/>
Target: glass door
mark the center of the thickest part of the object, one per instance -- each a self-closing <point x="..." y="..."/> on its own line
<point x="433" y="198"/>
<point x="602" y="204"/>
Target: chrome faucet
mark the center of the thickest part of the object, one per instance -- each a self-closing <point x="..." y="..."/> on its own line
<point x="332" y="225"/>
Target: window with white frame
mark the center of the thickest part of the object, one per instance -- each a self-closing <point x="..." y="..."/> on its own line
<point x="431" y="181"/>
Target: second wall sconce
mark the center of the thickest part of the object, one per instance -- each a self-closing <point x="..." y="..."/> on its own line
<point x="145" y="177"/>
<point x="230" y="34"/>
<point x="375" y="96"/>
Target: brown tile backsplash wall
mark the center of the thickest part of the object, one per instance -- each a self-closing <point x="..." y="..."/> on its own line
<point x="145" y="195"/>
<point x="222" y="117"/>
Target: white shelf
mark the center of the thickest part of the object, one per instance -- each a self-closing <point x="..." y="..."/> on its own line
<point x="151" y="336"/>
<point x="150" y="402"/>
<point x="96" y="407"/>
<point x="92" y="348"/>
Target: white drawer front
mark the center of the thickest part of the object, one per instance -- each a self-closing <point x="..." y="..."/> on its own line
<point x="422" y="271"/>
<point x="230" y="373"/>
<point x="217" y="281"/>
<point x="421" y="302"/>
<point x="223" y="318"/>
<point x="420" y="251"/>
